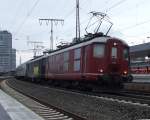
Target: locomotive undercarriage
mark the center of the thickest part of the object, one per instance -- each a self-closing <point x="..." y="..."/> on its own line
<point x="111" y="81"/>
<point x="105" y="81"/>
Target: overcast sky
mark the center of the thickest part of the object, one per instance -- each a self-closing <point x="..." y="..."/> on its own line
<point x="131" y="20"/>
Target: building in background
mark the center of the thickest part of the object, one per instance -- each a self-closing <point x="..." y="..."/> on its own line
<point x="7" y="54"/>
<point x="140" y="58"/>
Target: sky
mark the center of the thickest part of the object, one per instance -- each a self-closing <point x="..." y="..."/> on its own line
<point x="130" y="18"/>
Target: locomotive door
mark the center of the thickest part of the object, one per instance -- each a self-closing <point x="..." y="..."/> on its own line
<point x="113" y="56"/>
<point x="113" y="52"/>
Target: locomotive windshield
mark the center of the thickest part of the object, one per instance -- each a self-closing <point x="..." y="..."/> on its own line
<point x="98" y="50"/>
<point x="126" y="54"/>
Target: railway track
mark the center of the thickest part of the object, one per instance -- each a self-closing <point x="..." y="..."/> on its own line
<point x="130" y="97"/>
<point x="45" y="110"/>
<point x="123" y="97"/>
<point x="134" y="97"/>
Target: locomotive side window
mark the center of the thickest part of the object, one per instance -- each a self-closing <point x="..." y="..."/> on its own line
<point x="66" y="56"/>
<point x="66" y="60"/>
<point x="98" y="50"/>
<point x="77" y="56"/>
<point x="77" y="65"/>
<point x="57" y="62"/>
<point x="126" y="54"/>
<point x="65" y="66"/>
<point x="114" y="52"/>
<point x="77" y="53"/>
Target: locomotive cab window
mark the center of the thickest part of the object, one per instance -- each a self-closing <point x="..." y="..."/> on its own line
<point x="98" y="50"/>
<point x="114" y="52"/>
<point x="126" y="54"/>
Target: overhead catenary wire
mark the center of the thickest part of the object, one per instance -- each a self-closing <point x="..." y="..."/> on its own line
<point x="16" y="13"/>
<point x="69" y="14"/>
<point x="135" y="25"/>
<point x="105" y="10"/>
<point x="72" y="11"/>
<point x="115" y="5"/>
<point x="26" y="17"/>
<point x="119" y="3"/>
<point x="131" y="8"/>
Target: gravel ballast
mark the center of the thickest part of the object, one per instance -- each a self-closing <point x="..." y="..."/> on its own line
<point x="87" y="106"/>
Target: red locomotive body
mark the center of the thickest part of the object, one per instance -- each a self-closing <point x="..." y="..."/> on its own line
<point x="102" y="59"/>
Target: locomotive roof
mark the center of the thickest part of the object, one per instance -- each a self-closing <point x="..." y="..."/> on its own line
<point x="103" y="39"/>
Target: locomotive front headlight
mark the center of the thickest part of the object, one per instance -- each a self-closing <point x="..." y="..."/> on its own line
<point x="115" y="44"/>
<point x="101" y="70"/>
<point x="125" y="72"/>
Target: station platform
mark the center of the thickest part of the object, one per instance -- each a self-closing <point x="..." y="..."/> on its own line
<point x="11" y="109"/>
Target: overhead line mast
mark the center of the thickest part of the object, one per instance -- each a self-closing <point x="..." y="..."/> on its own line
<point x="51" y="22"/>
<point x="77" y="21"/>
<point x="36" y="47"/>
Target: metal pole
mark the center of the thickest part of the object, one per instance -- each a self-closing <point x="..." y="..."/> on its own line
<point x="51" y="20"/>
<point x="77" y="20"/>
<point x="35" y="49"/>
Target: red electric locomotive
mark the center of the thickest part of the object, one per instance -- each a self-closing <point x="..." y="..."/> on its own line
<point x="100" y="60"/>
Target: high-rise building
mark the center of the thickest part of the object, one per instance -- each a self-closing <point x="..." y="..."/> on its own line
<point x="7" y="54"/>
